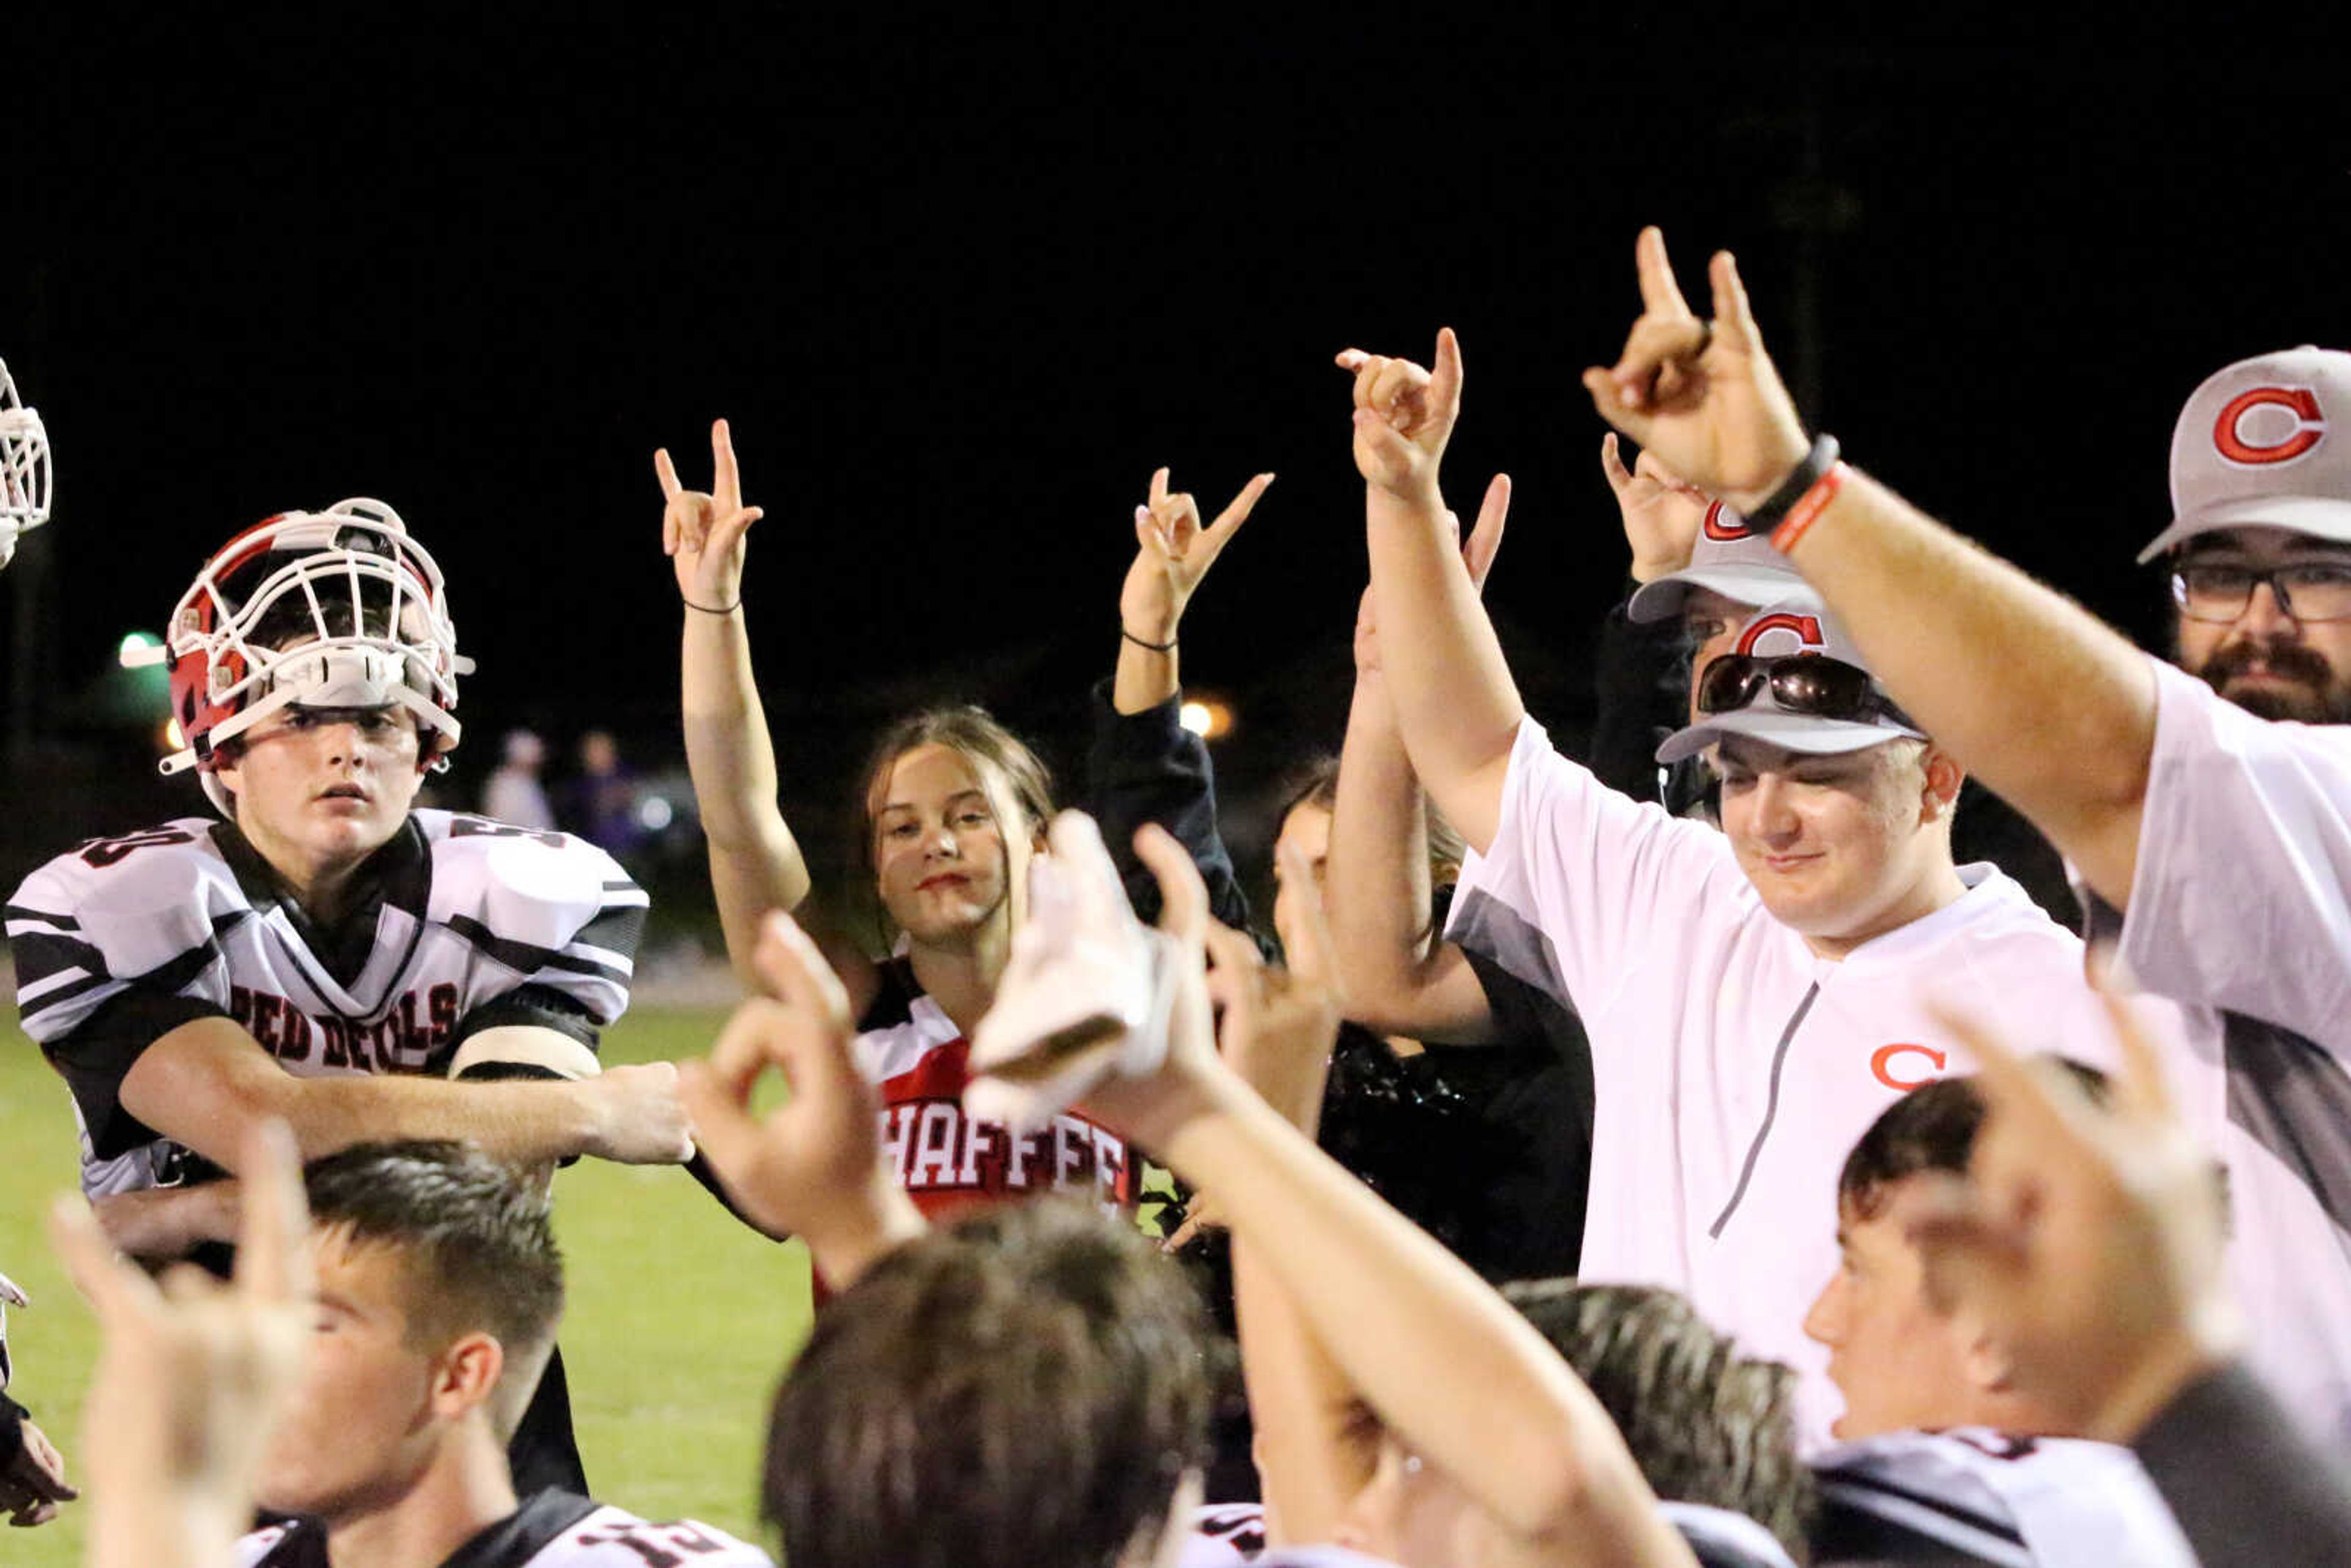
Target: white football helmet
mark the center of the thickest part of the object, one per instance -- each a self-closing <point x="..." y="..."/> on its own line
<point x="26" y="486"/>
<point x="333" y="609"/>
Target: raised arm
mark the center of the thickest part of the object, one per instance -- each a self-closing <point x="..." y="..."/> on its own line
<point x="756" y="865"/>
<point x="1173" y="553"/>
<point x="1455" y="1374"/>
<point x="207" y="1083"/>
<point x="1991" y="662"/>
<point x="1145" y="765"/>
<point x="1399" y="976"/>
<point x="1454" y="701"/>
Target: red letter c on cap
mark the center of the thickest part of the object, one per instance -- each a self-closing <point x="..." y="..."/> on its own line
<point x="1720" y="531"/>
<point x="1882" y="1065"/>
<point x="1807" y="628"/>
<point x="2310" y="427"/>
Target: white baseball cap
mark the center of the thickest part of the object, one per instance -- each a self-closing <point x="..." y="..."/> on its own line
<point x="1727" y="557"/>
<point x="1792" y="631"/>
<point x="2264" y="444"/>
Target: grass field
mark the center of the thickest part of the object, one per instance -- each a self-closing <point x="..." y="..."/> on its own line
<point x="679" y="1320"/>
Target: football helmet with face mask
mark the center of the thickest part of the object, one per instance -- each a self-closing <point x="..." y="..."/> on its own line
<point x="25" y="476"/>
<point x="339" y="608"/>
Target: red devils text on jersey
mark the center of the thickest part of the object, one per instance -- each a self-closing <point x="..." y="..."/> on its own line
<point x="550" y="1530"/>
<point x="464" y="924"/>
<point x="946" y="1160"/>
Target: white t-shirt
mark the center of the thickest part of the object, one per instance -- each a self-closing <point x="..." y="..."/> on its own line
<point x="1971" y="1495"/>
<point x="1733" y="1070"/>
<point x="2241" y="907"/>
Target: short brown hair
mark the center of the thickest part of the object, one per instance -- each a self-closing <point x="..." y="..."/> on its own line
<point x="477" y="1246"/>
<point x="1706" y="1423"/>
<point x="1023" y="1389"/>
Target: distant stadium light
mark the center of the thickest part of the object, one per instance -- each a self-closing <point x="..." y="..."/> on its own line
<point x="653" y="813"/>
<point x="172" y="740"/>
<point x="134" y="643"/>
<point x="1206" y="717"/>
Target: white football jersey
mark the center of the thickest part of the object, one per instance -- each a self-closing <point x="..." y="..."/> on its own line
<point x="466" y="925"/>
<point x="1732" y="1067"/>
<point x="2241" y="907"/>
<point x="550" y="1530"/>
<point x="1974" y="1496"/>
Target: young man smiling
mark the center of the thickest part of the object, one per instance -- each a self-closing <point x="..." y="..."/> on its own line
<point x="1755" y="996"/>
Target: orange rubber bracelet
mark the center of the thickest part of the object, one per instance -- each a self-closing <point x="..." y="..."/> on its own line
<point x="1808" y="507"/>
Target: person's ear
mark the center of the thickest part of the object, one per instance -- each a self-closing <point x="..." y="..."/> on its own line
<point x="465" y="1374"/>
<point x="1944" y="776"/>
<point x="1988" y="1365"/>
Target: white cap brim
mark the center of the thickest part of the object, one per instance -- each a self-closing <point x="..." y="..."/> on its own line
<point x="1802" y="732"/>
<point x="1663" y="600"/>
<point x="2320" y="516"/>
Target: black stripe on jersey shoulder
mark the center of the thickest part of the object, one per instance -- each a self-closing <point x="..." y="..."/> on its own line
<point x="526" y="957"/>
<point x="16" y="912"/>
<point x="64" y="994"/>
<point x="893" y="995"/>
<point x="40" y="954"/>
<point x="169" y="977"/>
<point x="542" y="1520"/>
<point x="1838" y="1481"/>
<point x="617" y="928"/>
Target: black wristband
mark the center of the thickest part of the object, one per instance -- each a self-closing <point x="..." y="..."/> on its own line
<point x="1817" y="462"/>
<point x="1167" y="647"/>
<point x="713" y="609"/>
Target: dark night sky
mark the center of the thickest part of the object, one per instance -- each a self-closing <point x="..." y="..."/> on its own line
<point x="959" y="291"/>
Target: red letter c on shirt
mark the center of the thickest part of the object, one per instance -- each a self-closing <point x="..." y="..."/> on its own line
<point x="1882" y="1064"/>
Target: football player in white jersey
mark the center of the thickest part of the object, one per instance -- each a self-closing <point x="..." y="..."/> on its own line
<point x="1753" y="997"/>
<point x="2222" y="835"/>
<point x="322" y="953"/>
<point x="1944" y="1451"/>
<point x="32" y="1476"/>
<point x="435" y="1289"/>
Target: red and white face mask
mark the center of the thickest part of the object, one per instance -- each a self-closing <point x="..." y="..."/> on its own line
<point x="333" y="609"/>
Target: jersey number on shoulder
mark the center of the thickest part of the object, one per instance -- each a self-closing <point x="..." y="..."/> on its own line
<point x="661" y="1545"/>
<point x="462" y="826"/>
<point x="104" y="852"/>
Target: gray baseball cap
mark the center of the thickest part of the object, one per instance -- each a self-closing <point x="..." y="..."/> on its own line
<point x="1790" y="632"/>
<point x="1740" y="565"/>
<point x="2258" y="447"/>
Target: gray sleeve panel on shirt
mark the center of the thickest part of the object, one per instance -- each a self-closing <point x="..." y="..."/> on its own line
<point x="2295" y="1100"/>
<point x="2243" y="1483"/>
<point x="1484" y="925"/>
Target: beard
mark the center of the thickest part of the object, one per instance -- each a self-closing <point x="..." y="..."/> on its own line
<point x="2303" y="687"/>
